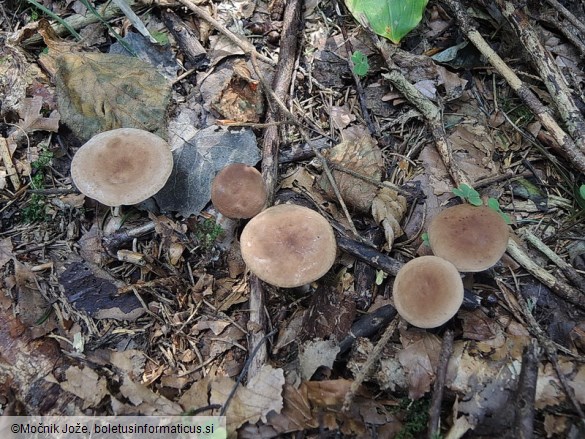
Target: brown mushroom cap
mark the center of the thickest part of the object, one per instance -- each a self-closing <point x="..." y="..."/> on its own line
<point x="427" y="291"/>
<point x="122" y="166"/>
<point x="238" y="191"/>
<point x="288" y="245"/>
<point x="473" y="238"/>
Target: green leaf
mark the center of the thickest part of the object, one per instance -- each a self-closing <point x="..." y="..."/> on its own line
<point x="582" y="191"/>
<point x="360" y="63"/>
<point x="469" y="194"/>
<point x="391" y="19"/>
<point x="475" y="200"/>
<point x="425" y="238"/>
<point x="493" y="204"/>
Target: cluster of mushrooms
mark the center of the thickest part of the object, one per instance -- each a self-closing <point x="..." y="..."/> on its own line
<point x="288" y="245"/>
<point x="428" y="290"/>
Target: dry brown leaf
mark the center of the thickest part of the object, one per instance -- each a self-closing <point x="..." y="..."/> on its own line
<point x="316" y="353"/>
<point x="548" y="388"/>
<point x="241" y="99"/>
<point x="32" y="119"/>
<point x="327" y="393"/>
<point x="197" y="395"/>
<point x="6" y="251"/>
<point x="130" y="361"/>
<point x="555" y="425"/>
<point x="419" y="359"/>
<point x="146" y="402"/>
<point x="341" y="116"/>
<point x="296" y="414"/>
<point x="359" y="153"/>
<point x="388" y="208"/>
<point x="86" y="384"/>
<point x="253" y="402"/>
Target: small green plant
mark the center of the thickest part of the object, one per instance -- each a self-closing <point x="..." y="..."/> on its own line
<point x="470" y="195"/>
<point x="35" y="210"/>
<point x="425" y="238"/>
<point x="582" y="191"/>
<point x="360" y="63"/>
<point x="161" y="38"/>
<point x="416" y="417"/>
<point x="207" y="233"/>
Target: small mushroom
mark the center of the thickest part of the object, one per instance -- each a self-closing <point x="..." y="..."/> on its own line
<point x="238" y="191"/>
<point x="122" y="166"/>
<point x="288" y="245"/>
<point x="473" y="238"/>
<point x="427" y="291"/>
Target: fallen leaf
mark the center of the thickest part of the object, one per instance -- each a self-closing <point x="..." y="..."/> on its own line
<point x="86" y="384"/>
<point x="98" y="92"/>
<point x="146" y="402"/>
<point x="262" y="395"/>
<point x="188" y="189"/>
<point x="6" y="251"/>
<point x="316" y="353"/>
<point x="358" y="153"/>
<point x="419" y="359"/>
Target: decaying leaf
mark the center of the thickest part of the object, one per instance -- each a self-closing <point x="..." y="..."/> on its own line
<point x="241" y="99"/>
<point x="316" y="353"/>
<point x="98" y="92"/>
<point x="32" y="118"/>
<point x="144" y="400"/>
<point x="388" y="208"/>
<point x="188" y="189"/>
<point x="86" y="384"/>
<point x="419" y="358"/>
<point x="358" y="152"/>
<point x="16" y="74"/>
<point x="262" y="395"/>
<point x="6" y="251"/>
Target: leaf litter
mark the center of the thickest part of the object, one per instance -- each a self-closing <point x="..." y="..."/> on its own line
<point x="166" y="329"/>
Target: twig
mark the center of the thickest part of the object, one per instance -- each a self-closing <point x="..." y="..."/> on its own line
<point x="573" y="275"/>
<point x="430" y="111"/>
<point x="369" y="255"/>
<point x="526" y="393"/>
<point x="245" y="369"/>
<point x="10" y="168"/>
<point x="568" y="31"/>
<point x="574" y="154"/>
<point x="439" y="386"/>
<point x="372" y="358"/>
<point x="568" y="15"/>
<point x="558" y="286"/>
<point x="239" y="41"/>
<point x="548" y="70"/>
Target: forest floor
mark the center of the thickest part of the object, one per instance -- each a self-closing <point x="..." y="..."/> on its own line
<point x="150" y="309"/>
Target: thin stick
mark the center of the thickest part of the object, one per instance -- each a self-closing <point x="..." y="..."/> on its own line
<point x="439" y="387"/>
<point x="372" y="358"/>
<point x="574" y="154"/>
<point x="567" y="269"/>
<point x="526" y="392"/>
<point x="559" y="287"/>
<point x="10" y="168"/>
<point x="548" y="70"/>
<point x="430" y="111"/>
<point x="239" y="41"/>
<point x="567" y="14"/>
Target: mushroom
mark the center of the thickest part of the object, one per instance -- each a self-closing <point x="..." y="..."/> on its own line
<point x="473" y="238"/>
<point x="238" y="191"/>
<point x="428" y="291"/>
<point x="288" y="245"/>
<point x="122" y="166"/>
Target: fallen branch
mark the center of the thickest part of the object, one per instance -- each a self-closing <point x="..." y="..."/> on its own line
<point x="568" y="15"/>
<point x="548" y="70"/>
<point x="430" y="111"/>
<point x="10" y="168"/>
<point x="573" y="275"/>
<point x="558" y="286"/>
<point x="439" y="386"/>
<point x="573" y="153"/>
<point x="526" y="393"/>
